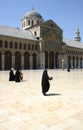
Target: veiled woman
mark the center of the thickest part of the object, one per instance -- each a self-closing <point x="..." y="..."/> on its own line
<point x="45" y="82"/>
<point x="11" y="75"/>
<point x="17" y="76"/>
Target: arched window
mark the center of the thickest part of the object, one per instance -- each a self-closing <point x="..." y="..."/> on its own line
<point x="6" y="44"/>
<point x="28" y="22"/>
<point x="0" y="43"/>
<point x="20" y="45"/>
<point x="35" y="33"/>
<point x="16" y="45"/>
<point x="32" y="22"/>
<point x="11" y="44"/>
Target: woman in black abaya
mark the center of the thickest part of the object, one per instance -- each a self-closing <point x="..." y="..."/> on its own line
<point x="17" y="76"/>
<point x="11" y="75"/>
<point x="45" y="82"/>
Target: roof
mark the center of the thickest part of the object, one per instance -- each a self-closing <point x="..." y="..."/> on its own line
<point x="16" y="32"/>
<point x="32" y="14"/>
<point x="73" y="43"/>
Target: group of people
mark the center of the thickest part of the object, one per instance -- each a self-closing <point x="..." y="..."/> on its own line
<point x="17" y="77"/>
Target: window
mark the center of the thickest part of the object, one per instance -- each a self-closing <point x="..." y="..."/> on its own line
<point x="24" y="46"/>
<point x="16" y="45"/>
<point x="32" y="22"/>
<point x="29" y="47"/>
<point x="29" y="22"/>
<point x="51" y="25"/>
<point x="35" y="33"/>
<point x="11" y="44"/>
<point x="32" y="47"/>
<point x="0" y="43"/>
<point x="20" y="45"/>
<point x="35" y="47"/>
<point x="6" y="44"/>
<point x="38" y="22"/>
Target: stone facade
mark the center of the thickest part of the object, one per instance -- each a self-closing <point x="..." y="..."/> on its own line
<point x="38" y="45"/>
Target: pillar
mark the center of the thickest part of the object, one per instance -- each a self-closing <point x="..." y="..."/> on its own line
<point x="3" y="62"/>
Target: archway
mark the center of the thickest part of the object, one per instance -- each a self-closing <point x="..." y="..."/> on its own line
<point x="73" y="62"/>
<point x="0" y="60"/>
<point x="77" y="62"/>
<point x="51" y="60"/>
<point x="17" y="60"/>
<point x="8" y="60"/>
<point x="34" y="61"/>
<point x="69" y="61"/>
<point x="80" y="62"/>
<point x="46" y="59"/>
<point x="26" y="60"/>
<point x="56" y="60"/>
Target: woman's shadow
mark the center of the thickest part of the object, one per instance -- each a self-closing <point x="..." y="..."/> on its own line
<point x="53" y="94"/>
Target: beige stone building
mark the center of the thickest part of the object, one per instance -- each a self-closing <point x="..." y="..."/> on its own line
<point x="38" y="44"/>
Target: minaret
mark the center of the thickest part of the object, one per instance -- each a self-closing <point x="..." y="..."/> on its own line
<point x="77" y="38"/>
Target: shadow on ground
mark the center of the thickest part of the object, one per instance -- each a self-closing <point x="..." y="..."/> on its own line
<point x="53" y="94"/>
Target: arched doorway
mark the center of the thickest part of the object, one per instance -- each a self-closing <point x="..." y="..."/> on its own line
<point x="56" y="60"/>
<point x="17" y="60"/>
<point x="34" y="61"/>
<point x="46" y="59"/>
<point x="73" y="62"/>
<point x="26" y="60"/>
<point x="77" y="62"/>
<point x="8" y="60"/>
<point x="69" y="61"/>
<point x="80" y="62"/>
<point x="51" y="60"/>
<point x="0" y="60"/>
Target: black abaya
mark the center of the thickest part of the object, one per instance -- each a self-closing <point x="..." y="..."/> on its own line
<point x="45" y="82"/>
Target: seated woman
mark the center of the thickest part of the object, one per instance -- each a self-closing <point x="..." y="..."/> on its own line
<point x="21" y="76"/>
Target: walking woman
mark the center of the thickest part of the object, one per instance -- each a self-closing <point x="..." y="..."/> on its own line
<point x="45" y="82"/>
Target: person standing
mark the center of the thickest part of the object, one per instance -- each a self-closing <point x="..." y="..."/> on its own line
<point x="11" y="75"/>
<point x="45" y="82"/>
<point x="17" y="76"/>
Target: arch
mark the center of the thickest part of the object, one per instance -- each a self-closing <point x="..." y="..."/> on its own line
<point x="77" y="62"/>
<point x="69" y="61"/>
<point x="0" y="60"/>
<point x="26" y="60"/>
<point x="34" y="61"/>
<point x="51" y="60"/>
<point x="8" y="60"/>
<point x="32" y="22"/>
<point x="17" y="60"/>
<point x="56" y="59"/>
<point x="80" y="62"/>
<point x="73" y="62"/>
<point x="46" y="59"/>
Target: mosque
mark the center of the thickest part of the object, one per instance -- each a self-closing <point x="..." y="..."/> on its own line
<point x="38" y="44"/>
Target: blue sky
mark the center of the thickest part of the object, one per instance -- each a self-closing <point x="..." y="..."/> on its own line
<point x="67" y="14"/>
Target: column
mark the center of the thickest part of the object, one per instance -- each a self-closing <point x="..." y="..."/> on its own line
<point x="31" y="62"/>
<point x="63" y="64"/>
<point x="3" y="62"/>
<point x="22" y="62"/>
<point x="42" y="60"/>
<point x="13" y="61"/>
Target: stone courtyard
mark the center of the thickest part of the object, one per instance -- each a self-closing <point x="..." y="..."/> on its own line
<point x="23" y="107"/>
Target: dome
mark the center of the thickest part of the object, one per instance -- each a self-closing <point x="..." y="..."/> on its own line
<point x="33" y="14"/>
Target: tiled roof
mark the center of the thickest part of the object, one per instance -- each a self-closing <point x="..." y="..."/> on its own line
<point x="16" y="32"/>
<point x="73" y="43"/>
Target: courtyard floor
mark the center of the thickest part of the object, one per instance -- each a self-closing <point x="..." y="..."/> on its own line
<point x="23" y="107"/>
